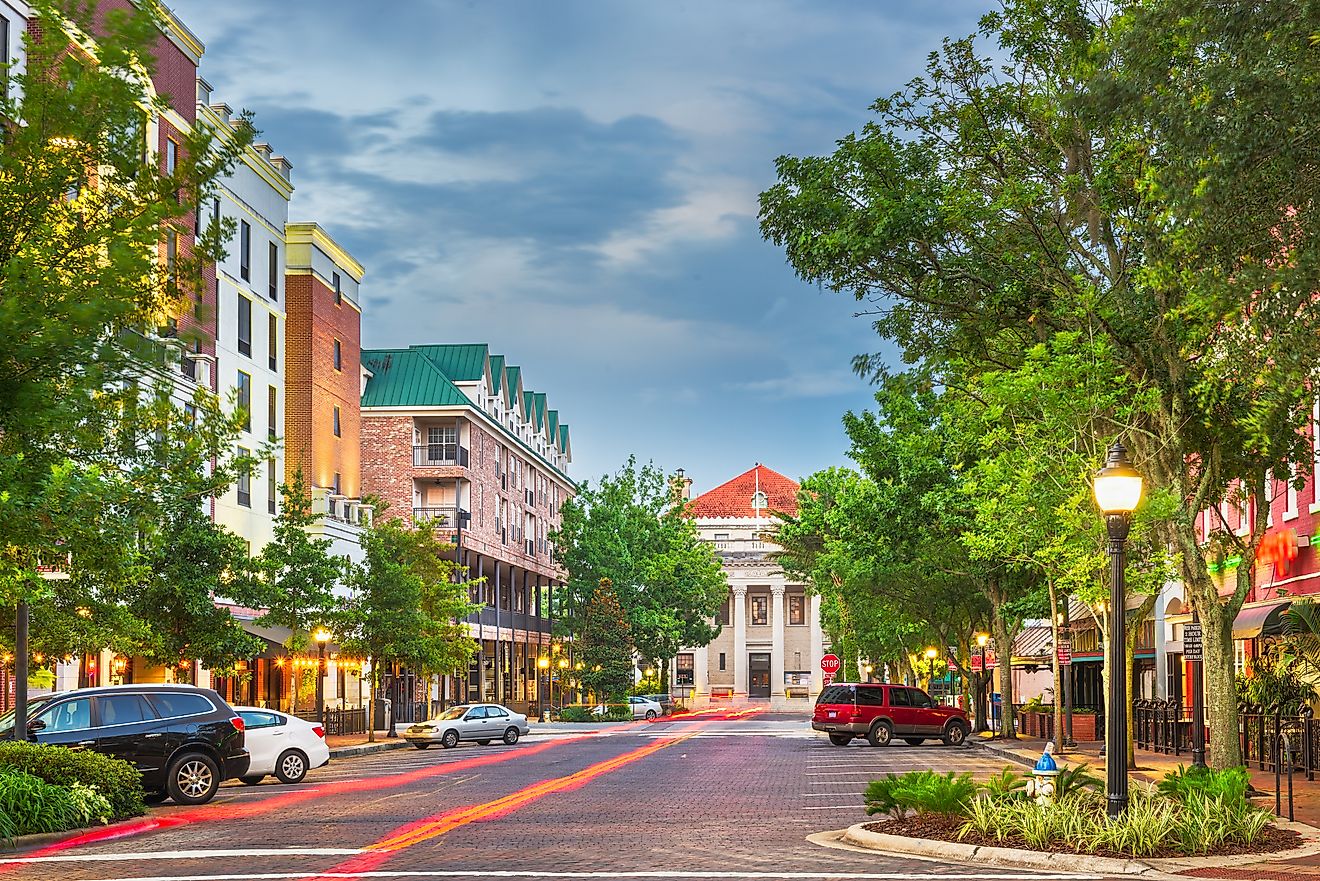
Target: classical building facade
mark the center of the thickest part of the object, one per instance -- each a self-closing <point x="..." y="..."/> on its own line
<point x="451" y="436"/>
<point x="770" y="641"/>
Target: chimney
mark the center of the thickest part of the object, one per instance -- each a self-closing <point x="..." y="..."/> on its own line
<point x="203" y="92"/>
<point x="283" y="165"/>
<point x="684" y="485"/>
<point x="224" y="111"/>
<point x="263" y="148"/>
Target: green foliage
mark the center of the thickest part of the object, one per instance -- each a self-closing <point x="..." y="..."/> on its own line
<point x="629" y="527"/>
<point x="605" y="644"/>
<point x="1226" y="785"/>
<point x="1006" y="784"/>
<point x="34" y="806"/>
<point x="1277" y="683"/>
<point x="922" y="792"/>
<point x="114" y="779"/>
<point x="577" y="713"/>
<point x="1076" y="779"/>
<point x="91" y="806"/>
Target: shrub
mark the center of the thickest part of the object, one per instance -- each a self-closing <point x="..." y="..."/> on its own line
<point x="1006" y="784"/>
<point x="575" y="714"/>
<point x="118" y="781"/>
<point x="91" y="805"/>
<point x="924" y="792"/>
<point x="1228" y="785"/>
<point x="583" y="713"/>
<point x="1074" y="780"/>
<point x="33" y="805"/>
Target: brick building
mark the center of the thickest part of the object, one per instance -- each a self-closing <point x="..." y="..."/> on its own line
<point x="450" y="435"/>
<point x="770" y="643"/>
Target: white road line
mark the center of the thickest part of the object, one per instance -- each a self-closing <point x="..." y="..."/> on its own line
<point x="829" y="794"/>
<point x="658" y="873"/>
<point x="856" y="807"/>
<point x="188" y="855"/>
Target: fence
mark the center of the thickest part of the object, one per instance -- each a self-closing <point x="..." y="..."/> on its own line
<point x="346" y="721"/>
<point x="1166" y="727"/>
<point x="1162" y="726"/>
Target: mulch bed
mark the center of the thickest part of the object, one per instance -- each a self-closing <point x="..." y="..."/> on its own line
<point x="945" y="827"/>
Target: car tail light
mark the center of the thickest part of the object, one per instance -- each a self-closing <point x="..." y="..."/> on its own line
<point x="318" y="731"/>
<point x="237" y="722"/>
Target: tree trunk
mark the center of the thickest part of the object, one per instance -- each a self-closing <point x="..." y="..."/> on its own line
<point x="1221" y="708"/>
<point x="1058" y="671"/>
<point x="1004" y="655"/>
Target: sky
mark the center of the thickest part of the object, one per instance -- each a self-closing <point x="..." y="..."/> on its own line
<point x="575" y="183"/>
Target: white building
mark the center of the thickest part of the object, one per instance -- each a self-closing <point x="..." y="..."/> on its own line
<point x="770" y="642"/>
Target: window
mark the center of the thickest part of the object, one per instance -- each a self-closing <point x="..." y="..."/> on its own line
<point x="339" y="356"/>
<point x="759" y="605"/>
<point x="797" y="609"/>
<point x="273" y="337"/>
<point x="442" y="443"/>
<point x="919" y="698"/>
<point x="123" y="709"/>
<point x="722" y="660"/>
<point x="174" y="704"/>
<point x="245" y="399"/>
<point x="339" y="292"/>
<point x="171" y="257"/>
<point x="171" y="156"/>
<point x="245" y="250"/>
<point x="244" y="482"/>
<point x="759" y="501"/>
<point x="74" y="715"/>
<point x="271" y="485"/>
<point x="253" y="719"/>
<point x="898" y="697"/>
<point x="1290" y="494"/>
<point x="725" y="615"/>
<point x="836" y="694"/>
<point x="870" y="697"/>
<point x="244" y="326"/>
<point x="721" y="536"/>
<point x="272" y="411"/>
<point x="686" y="669"/>
<point x="337" y="492"/>
<point x="4" y="58"/>
<point x="273" y="272"/>
<point x="337" y="434"/>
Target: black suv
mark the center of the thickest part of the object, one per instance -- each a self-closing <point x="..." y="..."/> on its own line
<point x="185" y="740"/>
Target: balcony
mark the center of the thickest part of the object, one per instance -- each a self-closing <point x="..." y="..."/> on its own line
<point x="438" y="455"/>
<point x="448" y="517"/>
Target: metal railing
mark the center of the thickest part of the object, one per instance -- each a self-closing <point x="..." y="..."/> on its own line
<point x="448" y="516"/>
<point x="1162" y="726"/>
<point x="346" y="721"/>
<point x="428" y="455"/>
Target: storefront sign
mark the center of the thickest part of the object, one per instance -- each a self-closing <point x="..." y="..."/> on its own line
<point x="1191" y="638"/>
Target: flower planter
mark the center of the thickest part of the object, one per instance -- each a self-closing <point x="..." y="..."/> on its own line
<point x="1038" y="724"/>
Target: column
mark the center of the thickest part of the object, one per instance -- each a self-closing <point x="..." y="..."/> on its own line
<point x="776" y="644"/>
<point x="740" y="642"/>
<point x="700" y="676"/>
<point x="817" y="647"/>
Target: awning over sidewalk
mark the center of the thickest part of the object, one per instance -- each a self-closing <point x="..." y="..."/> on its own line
<point x="276" y="639"/>
<point x="1263" y="620"/>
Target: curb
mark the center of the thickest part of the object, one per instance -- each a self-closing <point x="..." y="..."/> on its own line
<point x="900" y="845"/>
<point x="363" y="749"/>
<point x="24" y="843"/>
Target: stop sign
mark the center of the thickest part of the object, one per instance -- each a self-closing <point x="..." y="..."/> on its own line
<point x="831" y="664"/>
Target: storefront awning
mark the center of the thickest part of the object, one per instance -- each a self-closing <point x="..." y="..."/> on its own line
<point x="1264" y="620"/>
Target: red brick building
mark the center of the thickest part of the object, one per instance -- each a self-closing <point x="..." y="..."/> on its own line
<point x="449" y="434"/>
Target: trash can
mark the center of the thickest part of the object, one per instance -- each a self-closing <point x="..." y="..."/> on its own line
<point x="380" y="716"/>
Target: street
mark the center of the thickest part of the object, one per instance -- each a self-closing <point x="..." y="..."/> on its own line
<point x="724" y="795"/>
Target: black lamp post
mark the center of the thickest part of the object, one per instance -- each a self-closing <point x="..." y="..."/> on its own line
<point x="1117" y="492"/>
<point x="982" y="693"/>
<point x="322" y="636"/>
<point x="1198" y="697"/>
<point x="542" y="668"/>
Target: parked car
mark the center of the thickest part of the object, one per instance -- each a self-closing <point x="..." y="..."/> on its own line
<point x="280" y="744"/>
<point x="642" y="708"/>
<point x="184" y="740"/>
<point x="480" y="722"/>
<point x="666" y="702"/>
<point x="880" y="712"/>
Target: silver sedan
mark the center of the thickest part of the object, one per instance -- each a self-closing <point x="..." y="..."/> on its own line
<point x="479" y="722"/>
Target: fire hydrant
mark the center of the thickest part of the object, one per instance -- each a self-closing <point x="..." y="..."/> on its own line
<point x="1040" y="785"/>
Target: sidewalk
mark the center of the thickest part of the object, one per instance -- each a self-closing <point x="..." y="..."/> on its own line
<point x="1153" y="766"/>
<point x="344" y="745"/>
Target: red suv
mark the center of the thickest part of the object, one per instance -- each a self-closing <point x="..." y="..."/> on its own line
<point x="881" y="712"/>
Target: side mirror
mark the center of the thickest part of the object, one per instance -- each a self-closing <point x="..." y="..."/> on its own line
<point x="36" y="725"/>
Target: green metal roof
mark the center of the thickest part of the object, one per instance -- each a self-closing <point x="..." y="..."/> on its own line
<point x="513" y="381"/>
<point x="539" y="400"/>
<point x="497" y="374"/>
<point x="563" y="437"/>
<point x="464" y="363"/>
<point x="407" y="378"/>
<point x="552" y="418"/>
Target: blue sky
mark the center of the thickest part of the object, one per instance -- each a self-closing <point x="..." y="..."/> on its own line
<point x="575" y="183"/>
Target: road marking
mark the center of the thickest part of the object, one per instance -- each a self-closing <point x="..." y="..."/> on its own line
<point x="191" y="855"/>
<point x="829" y="794"/>
<point x="853" y="806"/>
<point x="614" y="873"/>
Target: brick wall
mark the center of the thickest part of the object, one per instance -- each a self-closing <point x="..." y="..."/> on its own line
<point x="387" y="462"/>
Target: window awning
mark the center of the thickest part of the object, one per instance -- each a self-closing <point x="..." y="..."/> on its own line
<point x="1264" y="620"/>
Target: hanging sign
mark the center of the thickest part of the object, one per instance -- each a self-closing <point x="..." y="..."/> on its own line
<point x="1192" y="642"/>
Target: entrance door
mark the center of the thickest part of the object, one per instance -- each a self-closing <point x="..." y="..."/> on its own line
<point x="758" y="675"/>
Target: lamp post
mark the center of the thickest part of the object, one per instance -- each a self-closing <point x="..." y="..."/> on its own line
<point x="542" y="664"/>
<point x="1065" y="624"/>
<point x="931" y="654"/>
<point x="1198" y="702"/>
<point x="563" y="686"/>
<point x="982" y="696"/>
<point x="1117" y="493"/>
<point x="322" y="636"/>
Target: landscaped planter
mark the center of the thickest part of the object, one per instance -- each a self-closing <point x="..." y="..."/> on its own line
<point x="1038" y="724"/>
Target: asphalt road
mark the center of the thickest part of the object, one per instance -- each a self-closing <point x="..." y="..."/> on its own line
<point x="720" y="796"/>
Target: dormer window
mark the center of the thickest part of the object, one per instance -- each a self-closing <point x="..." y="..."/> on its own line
<point x="759" y="501"/>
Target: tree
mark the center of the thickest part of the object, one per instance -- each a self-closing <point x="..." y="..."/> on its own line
<point x="402" y="608"/>
<point x="631" y="528"/>
<point x="1080" y="186"/>
<point x="605" y="644"/>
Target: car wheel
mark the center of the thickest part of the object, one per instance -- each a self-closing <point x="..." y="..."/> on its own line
<point x="193" y="779"/>
<point x="450" y="739"/>
<point x="955" y="734"/>
<point x="421" y="744"/>
<point x="510" y="736"/>
<point x="291" y="766"/>
<point x="914" y="741"/>
<point x="880" y="734"/>
<point x="840" y="739"/>
<point x="253" y="781"/>
<point x="483" y="742"/>
<point x="650" y="715"/>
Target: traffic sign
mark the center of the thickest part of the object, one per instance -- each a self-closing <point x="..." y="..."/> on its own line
<point x="831" y="664"/>
<point x="828" y="678"/>
<point x="1192" y="642"/>
<point x="1065" y="652"/>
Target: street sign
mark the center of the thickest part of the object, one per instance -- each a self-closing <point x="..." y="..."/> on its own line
<point x="830" y="664"/>
<point x="1192" y="642"/>
<point x="1065" y="652"/>
<point x="828" y="678"/>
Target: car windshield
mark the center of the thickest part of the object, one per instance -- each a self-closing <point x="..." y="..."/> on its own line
<point x="453" y="713"/>
<point x="33" y="707"/>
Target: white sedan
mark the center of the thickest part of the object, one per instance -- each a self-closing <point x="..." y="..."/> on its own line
<point x="642" y="708"/>
<point x="280" y="744"/>
<point x="480" y="722"/>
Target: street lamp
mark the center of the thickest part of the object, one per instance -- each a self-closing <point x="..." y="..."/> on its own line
<point x="982" y="699"/>
<point x="322" y="636"/>
<point x="563" y="686"/>
<point x="1117" y="493"/>
<point x="542" y="664"/>
<point x="931" y="654"/>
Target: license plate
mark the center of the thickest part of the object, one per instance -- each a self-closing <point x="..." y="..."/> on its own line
<point x="832" y="714"/>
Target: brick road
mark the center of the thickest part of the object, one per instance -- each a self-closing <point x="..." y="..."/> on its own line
<point x="708" y="798"/>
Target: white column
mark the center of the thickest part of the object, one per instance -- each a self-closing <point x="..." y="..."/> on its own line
<point x="701" y="676"/>
<point x="777" y="643"/>
<point x="817" y="647"/>
<point x="740" y="642"/>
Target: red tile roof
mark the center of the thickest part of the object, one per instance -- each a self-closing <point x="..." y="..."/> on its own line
<point x="734" y="499"/>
